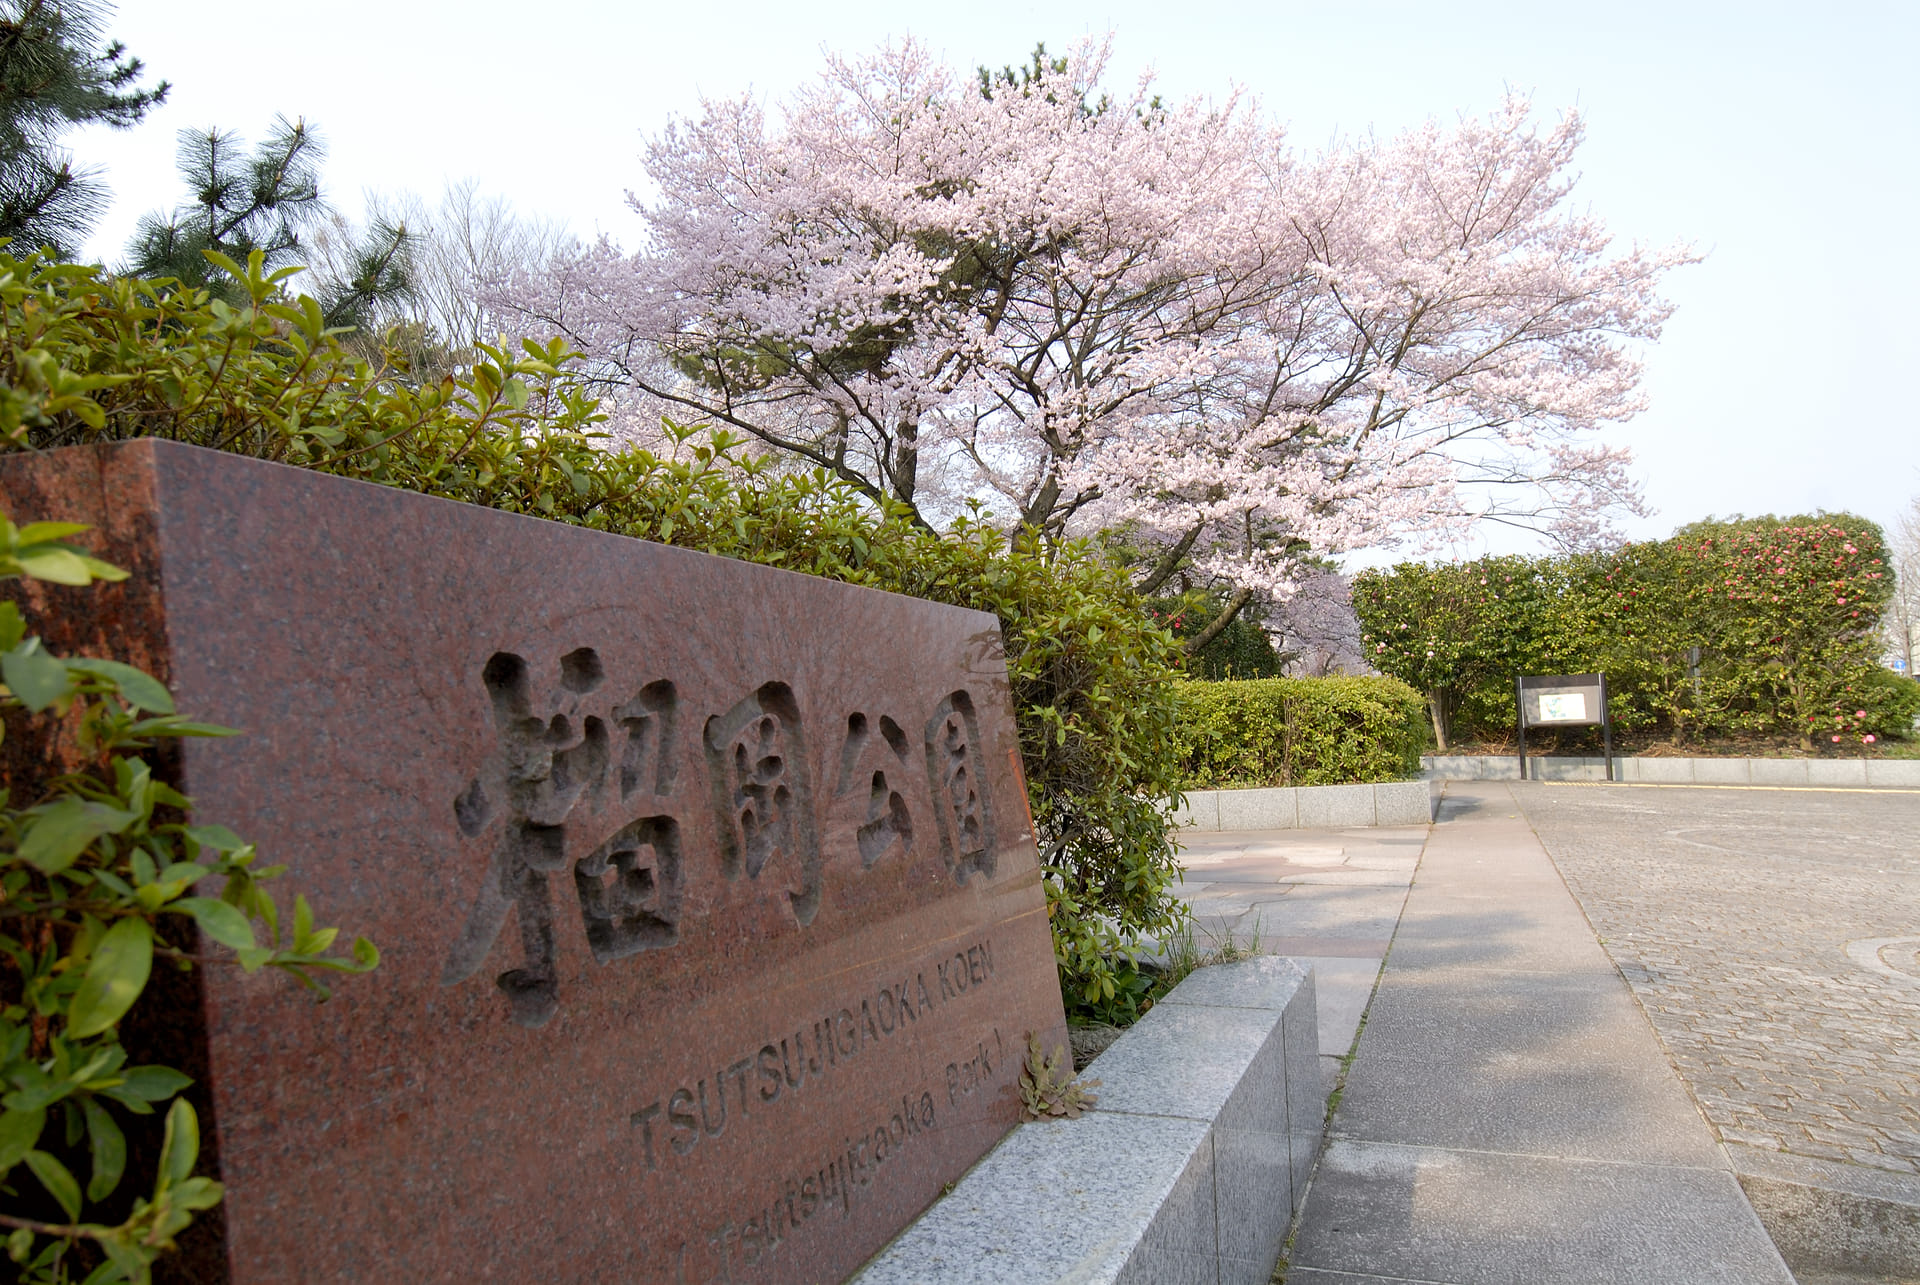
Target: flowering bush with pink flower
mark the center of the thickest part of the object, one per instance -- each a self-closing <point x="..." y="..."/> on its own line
<point x="1791" y="608"/>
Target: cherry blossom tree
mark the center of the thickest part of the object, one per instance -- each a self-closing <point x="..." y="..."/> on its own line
<point x="1317" y="629"/>
<point x="1103" y="309"/>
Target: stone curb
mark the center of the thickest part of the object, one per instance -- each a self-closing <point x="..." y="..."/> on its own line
<point x="1307" y="807"/>
<point x="1192" y="1166"/>
<point x="1859" y="774"/>
<point x="1828" y="1217"/>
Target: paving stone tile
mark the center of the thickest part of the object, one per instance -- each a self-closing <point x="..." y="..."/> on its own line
<point x="1416" y="1214"/>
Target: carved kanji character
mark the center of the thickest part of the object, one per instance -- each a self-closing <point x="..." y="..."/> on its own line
<point x="875" y="769"/>
<point x="957" y="776"/>
<point x="542" y="768"/>
<point x="762" y="797"/>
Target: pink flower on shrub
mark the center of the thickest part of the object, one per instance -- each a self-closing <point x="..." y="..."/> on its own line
<point x="1836" y="740"/>
<point x="1869" y="738"/>
<point x="1859" y="713"/>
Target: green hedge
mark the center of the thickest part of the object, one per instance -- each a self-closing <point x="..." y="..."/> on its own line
<point x="1299" y="731"/>
<point x="1764" y="627"/>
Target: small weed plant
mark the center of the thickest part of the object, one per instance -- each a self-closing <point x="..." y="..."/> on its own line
<point x="1048" y="1089"/>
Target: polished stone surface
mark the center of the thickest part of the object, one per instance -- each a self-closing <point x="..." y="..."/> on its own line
<point x="711" y="920"/>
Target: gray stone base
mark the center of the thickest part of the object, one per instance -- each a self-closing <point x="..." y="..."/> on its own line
<point x="1191" y="1168"/>
<point x="1859" y="774"/>
<point x="1308" y="807"/>
<point x="1833" y="1218"/>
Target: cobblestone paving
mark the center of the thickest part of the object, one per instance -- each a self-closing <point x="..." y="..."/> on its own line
<point x="1730" y="912"/>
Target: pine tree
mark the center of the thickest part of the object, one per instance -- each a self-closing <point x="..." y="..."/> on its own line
<point x="269" y="200"/>
<point x="241" y="202"/>
<point x="55" y="74"/>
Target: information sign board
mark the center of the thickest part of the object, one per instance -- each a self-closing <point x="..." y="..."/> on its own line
<point x="1563" y="700"/>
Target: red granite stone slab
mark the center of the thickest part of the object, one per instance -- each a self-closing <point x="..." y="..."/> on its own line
<point x="711" y="919"/>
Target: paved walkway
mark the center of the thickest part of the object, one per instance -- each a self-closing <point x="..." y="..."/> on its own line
<point x="1510" y="1115"/>
<point x="1331" y="898"/>
<point x="1773" y="939"/>
<point x="1770" y="936"/>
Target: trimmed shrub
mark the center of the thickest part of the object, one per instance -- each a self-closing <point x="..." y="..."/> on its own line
<point x="86" y="358"/>
<point x="1764" y="627"/>
<point x="1299" y="731"/>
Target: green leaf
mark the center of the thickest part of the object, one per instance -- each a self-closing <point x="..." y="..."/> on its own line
<point x="97" y="569"/>
<point x="251" y="960"/>
<point x="37" y="678"/>
<point x="137" y="1106"/>
<point x="198" y="1193"/>
<point x="57" y="1179"/>
<point x="114" y="979"/>
<point x="181" y="1148"/>
<point x="153" y="1083"/>
<point x="46" y="532"/>
<point x="59" y="832"/>
<point x="19" y="1130"/>
<point x="110" y="1272"/>
<point x="124" y="1256"/>
<point x="54" y="564"/>
<point x="217" y="837"/>
<point x="174" y="725"/>
<point x="109" y="1149"/>
<point x="218" y="920"/>
<point x="140" y="688"/>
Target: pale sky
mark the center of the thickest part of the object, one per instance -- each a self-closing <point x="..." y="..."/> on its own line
<point x="1782" y="139"/>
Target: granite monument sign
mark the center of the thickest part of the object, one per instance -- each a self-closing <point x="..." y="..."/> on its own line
<point x="711" y="919"/>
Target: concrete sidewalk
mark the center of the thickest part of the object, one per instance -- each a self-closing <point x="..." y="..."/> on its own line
<point x="1510" y="1115"/>
<point x="1327" y="897"/>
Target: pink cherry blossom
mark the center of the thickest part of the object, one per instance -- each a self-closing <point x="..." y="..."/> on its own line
<point x="1090" y="308"/>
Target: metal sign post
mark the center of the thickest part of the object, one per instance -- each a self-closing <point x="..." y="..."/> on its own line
<point x="1563" y="700"/>
<point x="1520" y="705"/>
